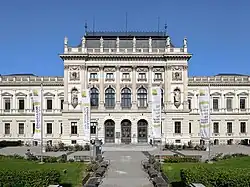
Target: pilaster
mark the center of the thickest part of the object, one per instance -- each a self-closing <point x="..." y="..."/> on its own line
<point x="118" y="94"/>
<point x="185" y="91"/>
<point x="101" y="90"/>
<point x="167" y="90"/>
<point x="134" y="88"/>
<point x="149" y="86"/>
<point x="66" y="92"/>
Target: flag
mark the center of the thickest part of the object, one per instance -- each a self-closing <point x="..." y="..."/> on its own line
<point x="36" y="97"/>
<point x="204" y="106"/>
<point x="86" y="113"/>
<point x="156" y="112"/>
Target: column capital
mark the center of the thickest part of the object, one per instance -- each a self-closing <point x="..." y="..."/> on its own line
<point x="150" y="67"/>
<point x="66" y="67"/>
<point x="83" y="67"/>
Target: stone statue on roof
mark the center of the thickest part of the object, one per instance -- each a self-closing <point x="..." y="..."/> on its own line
<point x="150" y="43"/>
<point x="185" y="42"/>
<point x="168" y="41"/>
<point x="83" y="41"/>
<point x="65" y="40"/>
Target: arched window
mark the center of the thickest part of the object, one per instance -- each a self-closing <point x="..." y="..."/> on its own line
<point x="94" y="97"/>
<point x="109" y="97"/>
<point x="142" y="97"/>
<point x="162" y="98"/>
<point x="125" y="98"/>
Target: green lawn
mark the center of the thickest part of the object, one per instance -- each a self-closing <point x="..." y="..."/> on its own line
<point x="73" y="175"/>
<point x="173" y="170"/>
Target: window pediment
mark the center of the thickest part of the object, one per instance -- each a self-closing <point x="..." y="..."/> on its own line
<point x="49" y="94"/>
<point x="243" y="93"/>
<point x="215" y="94"/>
<point x="7" y="94"/>
<point x="61" y="94"/>
<point x="229" y="94"/>
<point x="21" y="94"/>
<point x="190" y="94"/>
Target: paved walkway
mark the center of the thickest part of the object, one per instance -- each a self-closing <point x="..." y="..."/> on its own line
<point x="125" y="169"/>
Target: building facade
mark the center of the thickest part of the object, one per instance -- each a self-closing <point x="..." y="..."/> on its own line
<point x="120" y="69"/>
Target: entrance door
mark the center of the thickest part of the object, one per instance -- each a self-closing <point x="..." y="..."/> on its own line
<point x="142" y="131"/>
<point x="109" y="131"/>
<point x="126" y="132"/>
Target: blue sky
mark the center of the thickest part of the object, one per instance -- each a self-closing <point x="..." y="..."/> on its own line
<point x="32" y="32"/>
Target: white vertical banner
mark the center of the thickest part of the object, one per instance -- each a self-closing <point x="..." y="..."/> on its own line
<point x="156" y="112"/>
<point x="86" y="113"/>
<point x="37" y="98"/>
<point x="204" y="106"/>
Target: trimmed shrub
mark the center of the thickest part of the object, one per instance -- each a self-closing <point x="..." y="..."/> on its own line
<point x="214" y="177"/>
<point x="174" y="159"/>
<point x="10" y="143"/>
<point x="29" y="178"/>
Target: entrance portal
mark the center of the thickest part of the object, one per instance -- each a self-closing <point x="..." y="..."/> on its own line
<point x="142" y="131"/>
<point x="126" y="131"/>
<point x="109" y="131"/>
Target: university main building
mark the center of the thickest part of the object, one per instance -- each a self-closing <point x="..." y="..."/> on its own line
<point x="120" y="69"/>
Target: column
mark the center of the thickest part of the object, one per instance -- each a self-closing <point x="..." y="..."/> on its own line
<point x="185" y="91"/>
<point x="118" y="92"/>
<point x="86" y="80"/>
<point x="134" y="88"/>
<point x="66" y="102"/>
<point x="14" y="102"/>
<point x="101" y="94"/>
<point x="82" y="76"/>
<point x="56" y="106"/>
<point x="222" y="106"/>
<point x="149" y="86"/>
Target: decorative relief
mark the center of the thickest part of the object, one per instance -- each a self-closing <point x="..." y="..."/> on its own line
<point x="177" y="76"/>
<point x="142" y="69"/>
<point x="126" y="86"/>
<point x="109" y="69"/>
<point x="126" y="69"/>
<point x="66" y="67"/>
<point x="74" y="76"/>
<point x="159" y="69"/>
<point x="94" y="69"/>
<point x="177" y="97"/>
<point x="74" y="68"/>
<point x="74" y="97"/>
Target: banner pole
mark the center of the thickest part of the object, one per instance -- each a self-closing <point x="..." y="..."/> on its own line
<point x="41" y="123"/>
<point x="209" y="122"/>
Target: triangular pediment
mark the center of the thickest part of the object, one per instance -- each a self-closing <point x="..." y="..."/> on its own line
<point x="229" y="94"/>
<point x="216" y="94"/>
<point x="190" y="94"/>
<point x="7" y="94"/>
<point x="243" y="93"/>
<point x="61" y="94"/>
<point x="21" y="94"/>
<point x="49" y="94"/>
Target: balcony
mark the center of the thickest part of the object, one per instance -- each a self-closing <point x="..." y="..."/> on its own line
<point x="29" y="111"/>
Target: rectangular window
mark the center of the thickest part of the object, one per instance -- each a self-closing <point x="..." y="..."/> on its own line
<point x="61" y="130"/>
<point x="216" y="127"/>
<point x="242" y="103"/>
<point x="215" y="104"/>
<point x="189" y="104"/>
<point x="229" y="127"/>
<point x="125" y="75"/>
<point x="190" y="127"/>
<point x="21" y="128"/>
<point x="34" y="128"/>
<point x="73" y="127"/>
<point x="49" y="104"/>
<point x="33" y="106"/>
<point x="93" y="127"/>
<point x="73" y="141"/>
<point x="6" y="104"/>
<point x="49" y="128"/>
<point x="62" y="104"/>
<point x="158" y="76"/>
<point x="229" y="103"/>
<point x="93" y="76"/>
<point x="7" y="128"/>
<point x="177" y="127"/>
<point x="21" y="104"/>
<point x="242" y="127"/>
<point x="142" y="76"/>
<point x="109" y="76"/>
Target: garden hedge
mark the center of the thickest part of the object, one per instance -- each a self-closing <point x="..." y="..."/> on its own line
<point x="174" y="159"/>
<point x="29" y="178"/>
<point x="216" y="177"/>
<point x="10" y="143"/>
